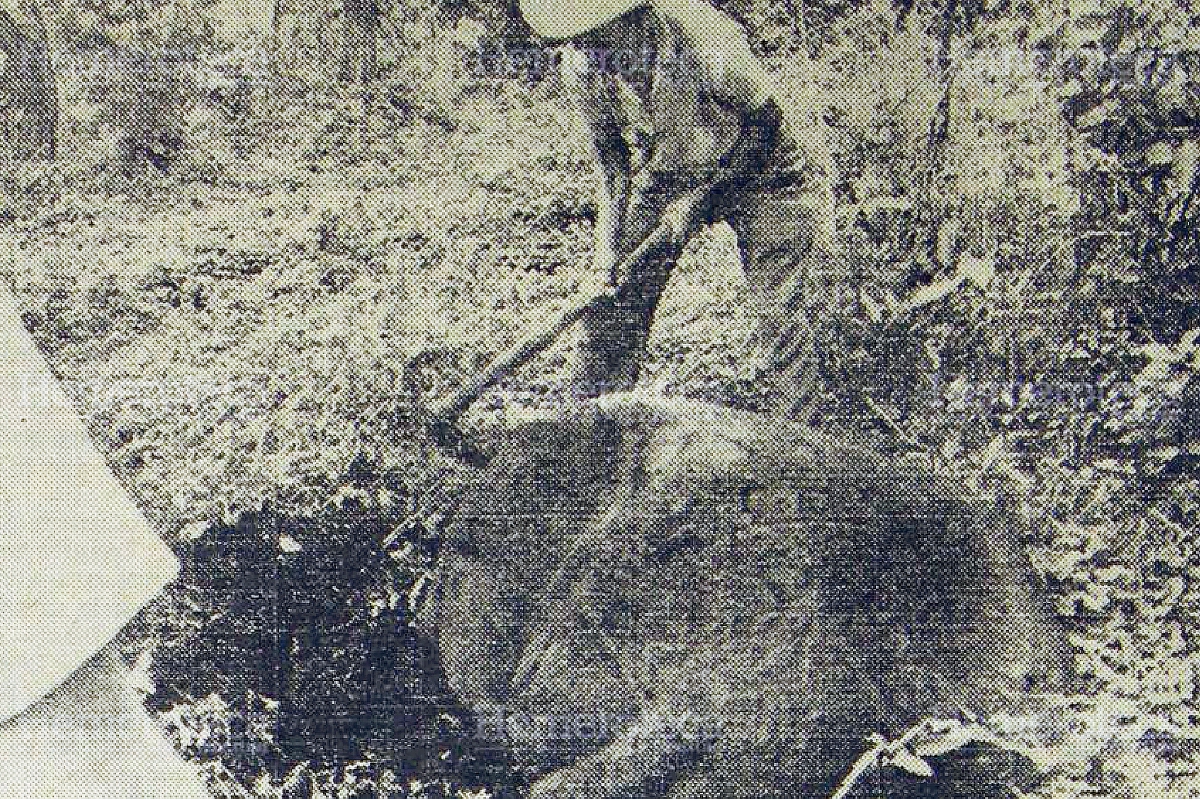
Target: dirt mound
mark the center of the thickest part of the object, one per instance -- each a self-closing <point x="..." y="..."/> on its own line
<point x="758" y="596"/>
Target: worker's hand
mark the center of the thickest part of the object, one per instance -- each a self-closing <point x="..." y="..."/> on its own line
<point x="604" y="264"/>
<point x="681" y="215"/>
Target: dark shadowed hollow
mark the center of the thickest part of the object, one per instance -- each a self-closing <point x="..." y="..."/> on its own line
<point x="301" y="625"/>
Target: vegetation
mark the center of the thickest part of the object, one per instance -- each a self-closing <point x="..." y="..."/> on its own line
<point x="253" y="277"/>
<point x="27" y="85"/>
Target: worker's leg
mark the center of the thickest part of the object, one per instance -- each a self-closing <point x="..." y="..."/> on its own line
<point x="93" y="739"/>
<point x="614" y="337"/>
<point x="787" y="240"/>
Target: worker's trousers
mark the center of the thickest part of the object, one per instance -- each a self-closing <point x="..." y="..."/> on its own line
<point x="783" y="218"/>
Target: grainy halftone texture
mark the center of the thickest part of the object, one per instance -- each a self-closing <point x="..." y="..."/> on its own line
<point x="77" y="559"/>
<point x="916" y="375"/>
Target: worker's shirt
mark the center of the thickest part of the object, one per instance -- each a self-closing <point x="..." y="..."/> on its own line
<point x="678" y="81"/>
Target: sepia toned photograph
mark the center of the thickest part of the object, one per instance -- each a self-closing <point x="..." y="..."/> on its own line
<point x="599" y="399"/>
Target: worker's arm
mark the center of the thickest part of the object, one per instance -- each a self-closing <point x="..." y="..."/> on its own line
<point x="594" y="95"/>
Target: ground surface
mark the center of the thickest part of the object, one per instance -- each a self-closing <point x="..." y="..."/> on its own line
<point x="200" y="321"/>
<point x="265" y="324"/>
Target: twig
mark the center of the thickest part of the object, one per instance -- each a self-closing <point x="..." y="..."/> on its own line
<point x="893" y="425"/>
<point x="1170" y="525"/>
<point x="866" y="762"/>
<point x="928" y="295"/>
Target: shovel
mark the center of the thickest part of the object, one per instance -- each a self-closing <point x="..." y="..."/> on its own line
<point x="443" y="420"/>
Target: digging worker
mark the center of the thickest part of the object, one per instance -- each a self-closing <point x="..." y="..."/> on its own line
<point x="687" y="131"/>
<point x="77" y="562"/>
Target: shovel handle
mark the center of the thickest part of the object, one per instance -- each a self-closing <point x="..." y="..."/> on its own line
<point x="447" y="412"/>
